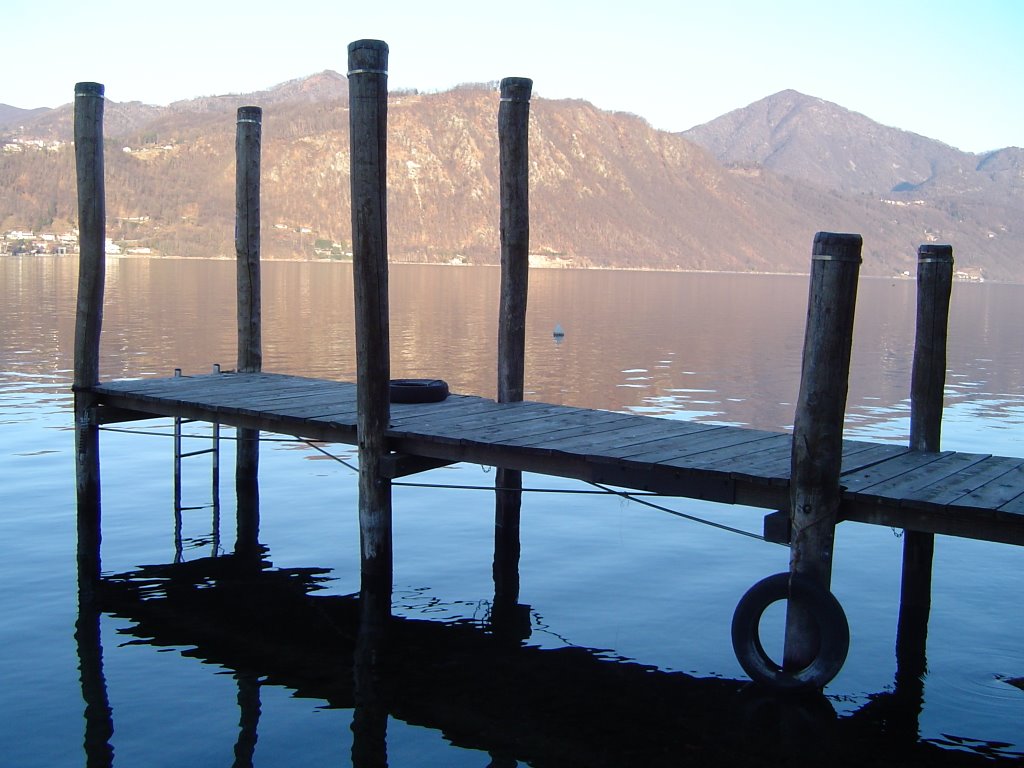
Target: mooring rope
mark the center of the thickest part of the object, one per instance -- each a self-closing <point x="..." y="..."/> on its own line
<point x="155" y="433"/>
<point x="328" y="454"/>
<point x="677" y="513"/>
<point x="462" y="486"/>
<point x="602" y="490"/>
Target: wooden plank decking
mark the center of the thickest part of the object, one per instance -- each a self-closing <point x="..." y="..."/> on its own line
<point x="971" y="495"/>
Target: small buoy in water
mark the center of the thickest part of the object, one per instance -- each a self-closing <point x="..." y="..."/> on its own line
<point x="558" y="333"/>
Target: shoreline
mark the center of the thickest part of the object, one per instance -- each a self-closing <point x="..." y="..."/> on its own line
<point x="664" y="270"/>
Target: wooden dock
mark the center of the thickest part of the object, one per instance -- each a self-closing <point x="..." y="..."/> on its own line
<point x="961" y="494"/>
<point x="810" y="479"/>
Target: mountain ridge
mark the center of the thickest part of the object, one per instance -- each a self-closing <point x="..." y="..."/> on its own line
<point x="787" y="130"/>
<point x="744" y="192"/>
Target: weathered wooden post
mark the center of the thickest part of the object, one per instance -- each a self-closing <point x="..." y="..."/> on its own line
<point x="367" y="75"/>
<point x="514" y="168"/>
<point x="248" y="143"/>
<point x="248" y="140"/>
<point x="88" y="133"/>
<point x="928" y="378"/>
<point x="513" y="139"/>
<point x="818" y="427"/>
<point x="928" y="381"/>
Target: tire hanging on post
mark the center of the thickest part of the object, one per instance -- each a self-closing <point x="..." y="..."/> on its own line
<point x="827" y="614"/>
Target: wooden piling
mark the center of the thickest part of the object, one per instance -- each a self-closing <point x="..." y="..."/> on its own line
<point x="928" y="377"/>
<point x="248" y="147"/>
<point x="88" y="135"/>
<point x="818" y="425"/>
<point x="928" y="381"/>
<point x="513" y="138"/>
<point x="513" y="141"/>
<point x="91" y="231"/>
<point x="367" y="76"/>
<point x="247" y="237"/>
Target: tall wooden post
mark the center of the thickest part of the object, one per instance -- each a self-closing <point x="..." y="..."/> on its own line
<point x="248" y="144"/>
<point x="928" y="381"/>
<point x="818" y="425"/>
<point x="513" y="140"/>
<point x="248" y="140"/>
<point x="368" y="105"/>
<point x="928" y="378"/>
<point x="88" y="321"/>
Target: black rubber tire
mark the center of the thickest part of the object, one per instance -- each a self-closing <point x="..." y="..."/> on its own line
<point x="418" y="390"/>
<point x="833" y="633"/>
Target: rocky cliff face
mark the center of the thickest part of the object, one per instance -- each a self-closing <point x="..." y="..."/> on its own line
<point x="744" y="193"/>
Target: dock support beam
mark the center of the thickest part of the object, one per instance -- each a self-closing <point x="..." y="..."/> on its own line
<point x="818" y="427"/>
<point x="513" y="141"/>
<point x="248" y="144"/>
<point x="368" y="105"/>
<point x="928" y="381"/>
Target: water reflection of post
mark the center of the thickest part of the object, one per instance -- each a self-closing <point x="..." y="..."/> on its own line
<point x="88" y="133"/>
<point x="928" y="379"/>
<point x="248" y="142"/>
<point x="99" y="720"/>
<point x="248" y="718"/>
<point x="513" y="135"/>
<point x="370" y="716"/>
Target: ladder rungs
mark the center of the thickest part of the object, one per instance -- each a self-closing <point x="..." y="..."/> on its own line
<point x="197" y="453"/>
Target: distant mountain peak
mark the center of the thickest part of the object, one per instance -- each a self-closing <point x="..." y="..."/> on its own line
<point x="814" y="140"/>
<point x="327" y="85"/>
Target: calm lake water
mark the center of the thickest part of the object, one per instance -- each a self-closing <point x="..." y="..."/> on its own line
<point x="640" y="586"/>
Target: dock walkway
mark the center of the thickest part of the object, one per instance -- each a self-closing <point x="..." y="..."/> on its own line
<point x="810" y="479"/>
<point x="972" y="495"/>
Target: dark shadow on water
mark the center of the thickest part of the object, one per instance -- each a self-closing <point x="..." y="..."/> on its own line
<point x="481" y="690"/>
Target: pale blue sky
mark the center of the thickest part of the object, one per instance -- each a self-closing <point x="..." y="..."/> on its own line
<point x="950" y="70"/>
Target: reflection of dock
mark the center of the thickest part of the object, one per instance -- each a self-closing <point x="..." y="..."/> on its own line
<point x="482" y="690"/>
<point x="976" y="496"/>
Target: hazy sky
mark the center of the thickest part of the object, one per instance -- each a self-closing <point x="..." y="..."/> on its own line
<point x="948" y="69"/>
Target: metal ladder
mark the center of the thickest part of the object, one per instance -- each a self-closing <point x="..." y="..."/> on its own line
<point x="179" y="454"/>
